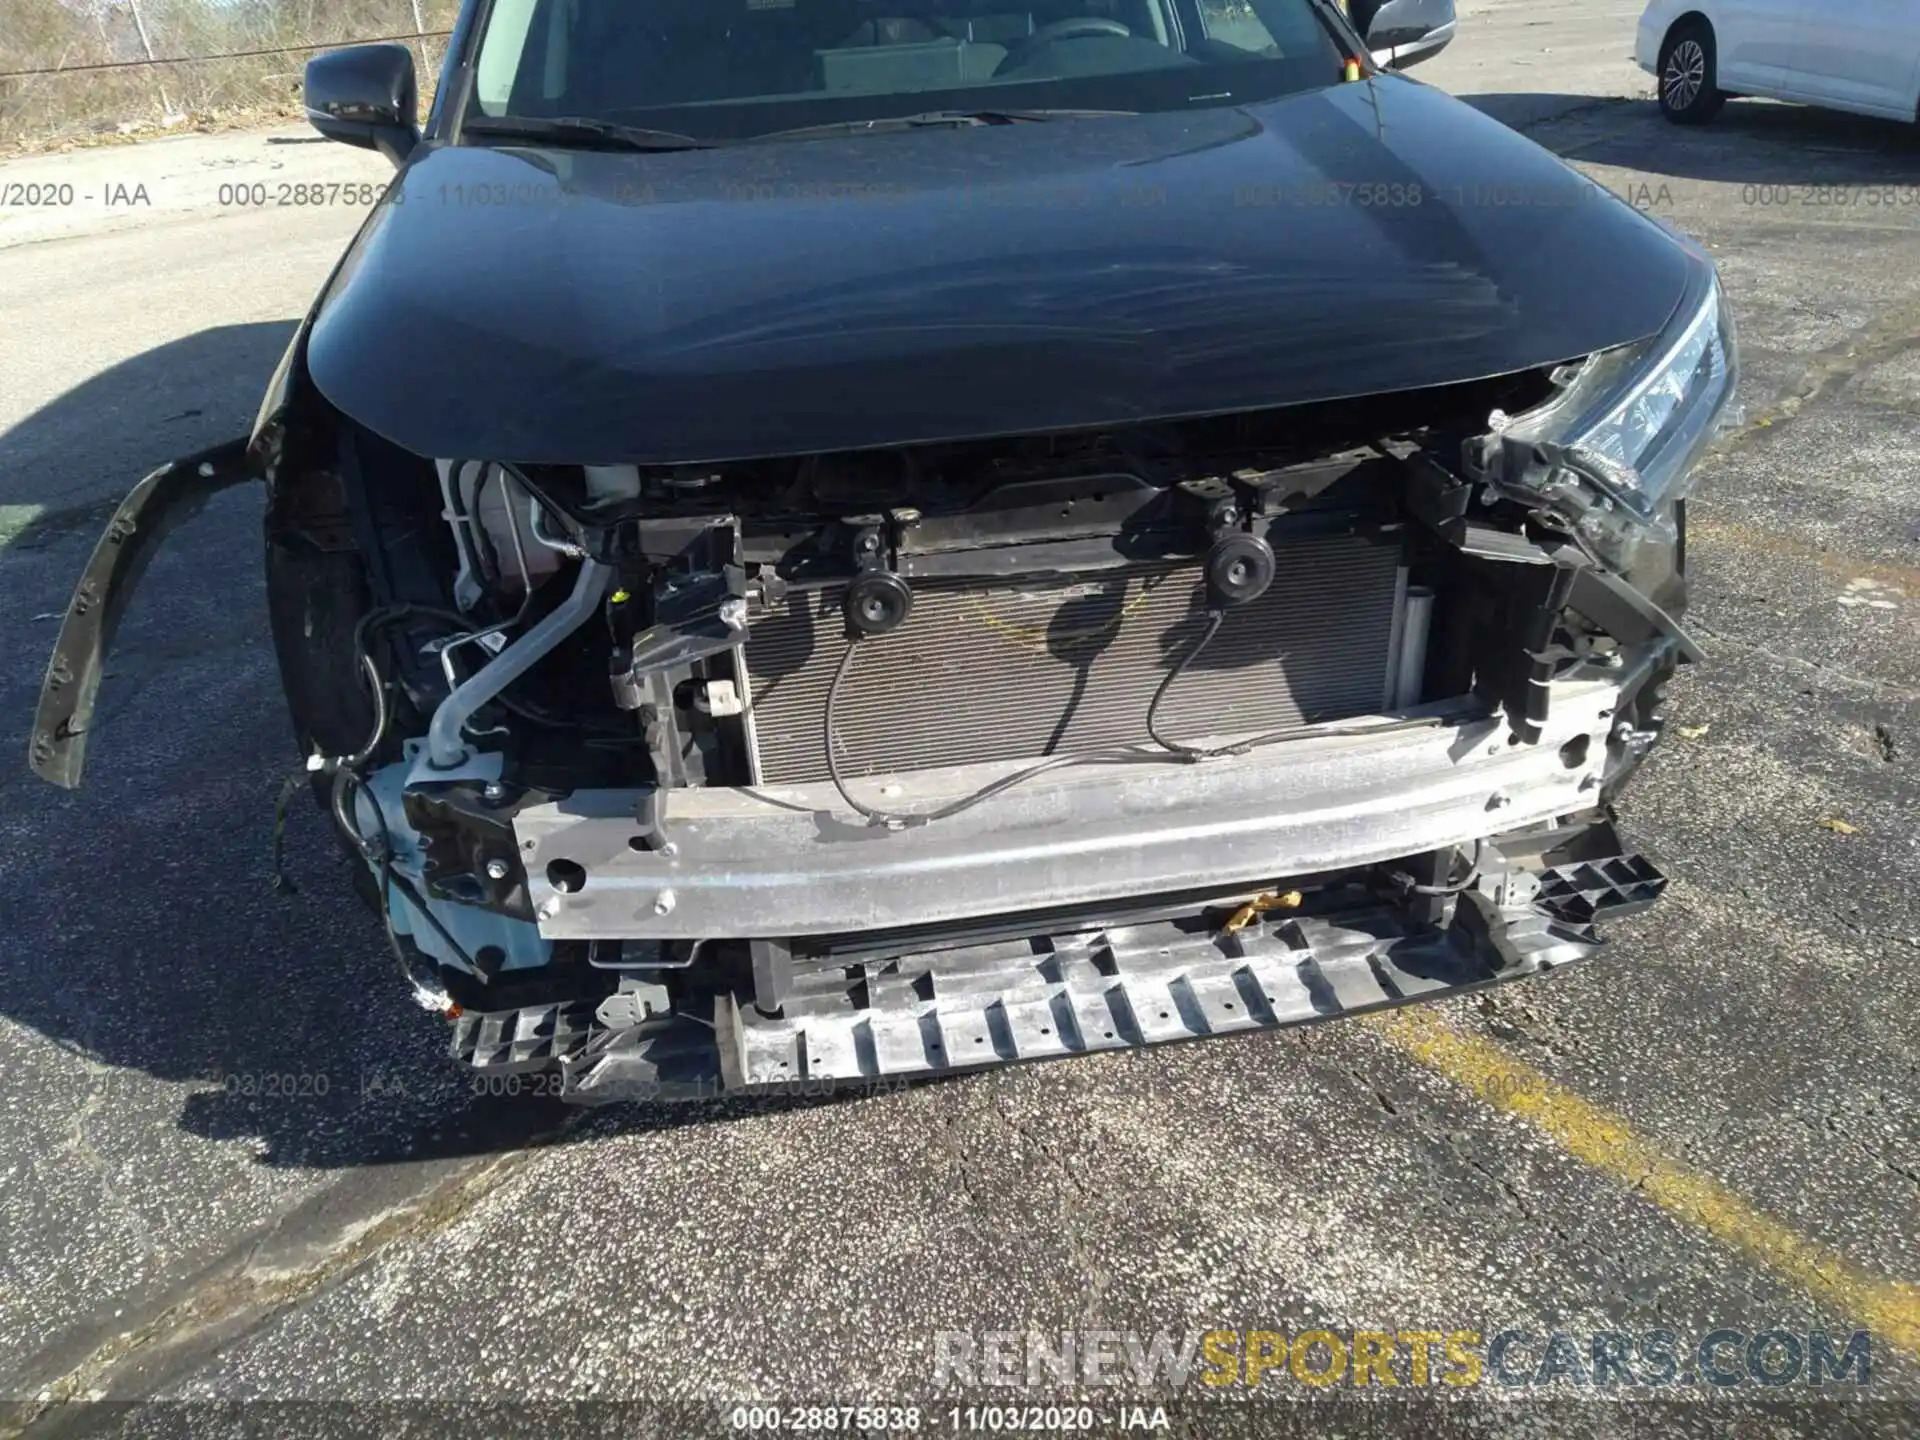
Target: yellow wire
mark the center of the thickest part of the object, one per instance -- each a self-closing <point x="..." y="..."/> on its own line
<point x="1036" y="638"/>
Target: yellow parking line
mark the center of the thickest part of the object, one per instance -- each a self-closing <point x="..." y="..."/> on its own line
<point x="1607" y="1142"/>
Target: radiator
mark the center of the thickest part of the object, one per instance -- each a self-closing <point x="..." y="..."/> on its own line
<point x="1008" y="669"/>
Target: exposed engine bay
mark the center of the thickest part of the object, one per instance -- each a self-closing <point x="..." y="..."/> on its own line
<point x="841" y="768"/>
<point x="856" y="767"/>
<point x="871" y="650"/>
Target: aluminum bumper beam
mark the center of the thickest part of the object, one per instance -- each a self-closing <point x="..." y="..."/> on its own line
<point x="792" y="861"/>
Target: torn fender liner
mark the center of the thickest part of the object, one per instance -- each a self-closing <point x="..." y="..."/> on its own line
<point x="153" y="509"/>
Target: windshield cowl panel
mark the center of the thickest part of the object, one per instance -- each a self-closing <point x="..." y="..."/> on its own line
<point x="721" y="70"/>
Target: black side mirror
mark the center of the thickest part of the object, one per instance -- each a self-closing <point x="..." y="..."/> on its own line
<point x="366" y="96"/>
<point x="1404" y="32"/>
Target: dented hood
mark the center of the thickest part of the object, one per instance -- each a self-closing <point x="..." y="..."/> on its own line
<point x="544" y="305"/>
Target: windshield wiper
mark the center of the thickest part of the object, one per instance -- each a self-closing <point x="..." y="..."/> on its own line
<point x="578" y="131"/>
<point x="933" y="119"/>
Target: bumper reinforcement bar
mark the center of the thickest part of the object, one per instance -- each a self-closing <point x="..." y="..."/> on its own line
<point x="784" y="862"/>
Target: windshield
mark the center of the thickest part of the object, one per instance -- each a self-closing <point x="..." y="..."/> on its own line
<point x="734" y="69"/>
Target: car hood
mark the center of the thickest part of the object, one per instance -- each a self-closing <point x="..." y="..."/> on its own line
<point x="544" y="305"/>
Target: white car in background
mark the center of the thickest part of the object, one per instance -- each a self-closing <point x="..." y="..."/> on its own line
<point x="1857" y="55"/>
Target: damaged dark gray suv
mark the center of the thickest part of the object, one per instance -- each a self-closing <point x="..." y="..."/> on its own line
<point x="822" y="541"/>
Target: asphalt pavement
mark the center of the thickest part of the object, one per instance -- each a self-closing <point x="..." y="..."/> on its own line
<point x="233" y="1168"/>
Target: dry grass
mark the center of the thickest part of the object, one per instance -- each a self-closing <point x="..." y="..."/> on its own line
<point x="84" y="107"/>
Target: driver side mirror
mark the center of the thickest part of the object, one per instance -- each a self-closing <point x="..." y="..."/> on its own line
<point x="366" y="96"/>
<point x="1403" y="32"/>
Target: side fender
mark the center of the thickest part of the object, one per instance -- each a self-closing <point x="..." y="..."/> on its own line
<point x="153" y="509"/>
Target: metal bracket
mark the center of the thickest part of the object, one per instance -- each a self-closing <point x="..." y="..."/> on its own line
<point x="694" y="617"/>
<point x="1629" y="616"/>
<point x="634" y="1002"/>
<point x="772" y="974"/>
<point x="445" y="748"/>
<point x="650" y="812"/>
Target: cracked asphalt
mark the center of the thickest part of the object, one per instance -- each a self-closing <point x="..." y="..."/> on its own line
<point x="232" y="1167"/>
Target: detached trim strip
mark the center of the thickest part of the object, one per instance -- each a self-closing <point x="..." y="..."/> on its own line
<point x="153" y="509"/>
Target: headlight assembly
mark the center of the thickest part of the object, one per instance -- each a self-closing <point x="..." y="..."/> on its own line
<point x="1616" y="445"/>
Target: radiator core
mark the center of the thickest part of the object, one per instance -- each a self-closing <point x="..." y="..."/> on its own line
<point x="1010" y="668"/>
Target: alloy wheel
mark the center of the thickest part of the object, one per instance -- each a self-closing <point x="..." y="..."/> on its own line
<point x="1685" y="76"/>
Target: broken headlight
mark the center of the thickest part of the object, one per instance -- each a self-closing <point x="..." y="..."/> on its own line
<point x="1616" y="446"/>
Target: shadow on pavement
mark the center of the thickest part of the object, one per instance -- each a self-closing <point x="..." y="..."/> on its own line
<point x="1750" y="142"/>
<point x="143" y="933"/>
<point x="88" y="447"/>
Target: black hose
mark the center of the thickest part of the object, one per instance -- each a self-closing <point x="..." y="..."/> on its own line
<point x="385" y="614"/>
<point x="347" y="777"/>
<point x="346" y="766"/>
<point x="525" y="709"/>
<point x="1404" y="881"/>
<point x="405" y="962"/>
<point x="282" y="881"/>
<point x="349" y="766"/>
<point x="379" y="853"/>
<point x="1174" y="747"/>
